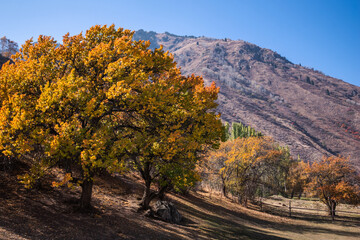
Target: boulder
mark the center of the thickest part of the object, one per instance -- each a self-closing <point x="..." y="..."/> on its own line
<point x="167" y="211"/>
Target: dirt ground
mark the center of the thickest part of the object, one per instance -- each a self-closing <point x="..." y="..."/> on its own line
<point x="51" y="213"/>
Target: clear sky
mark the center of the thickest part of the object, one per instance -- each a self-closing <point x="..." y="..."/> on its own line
<point x="323" y="34"/>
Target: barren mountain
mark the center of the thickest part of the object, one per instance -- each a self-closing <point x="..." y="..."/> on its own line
<point x="302" y="108"/>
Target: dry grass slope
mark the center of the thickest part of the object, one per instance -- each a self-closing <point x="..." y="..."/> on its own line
<point x="48" y="213"/>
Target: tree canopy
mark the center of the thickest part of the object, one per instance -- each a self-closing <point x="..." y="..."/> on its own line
<point x="248" y="165"/>
<point x="334" y="180"/>
<point x="99" y="100"/>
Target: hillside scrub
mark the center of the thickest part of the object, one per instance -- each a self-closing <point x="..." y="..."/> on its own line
<point x="103" y="102"/>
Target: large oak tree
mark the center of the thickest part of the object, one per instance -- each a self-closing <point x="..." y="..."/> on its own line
<point x="100" y="99"/>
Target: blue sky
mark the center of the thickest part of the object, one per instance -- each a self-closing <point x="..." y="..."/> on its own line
<point x="323" y="34"/>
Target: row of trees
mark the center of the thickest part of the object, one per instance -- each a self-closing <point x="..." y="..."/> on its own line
<point x="249" y="167"/>
<point x="104" y="102"/>
<point x="239" y="130"/>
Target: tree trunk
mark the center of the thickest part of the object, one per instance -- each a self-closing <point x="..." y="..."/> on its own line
<point x="332" y="207"/>
<point x="224" y="191"/>
<point x="300" y="193"/>
<point x="162" y="191"/>
<point x="147" y="197"/>
<point x="292" y="193"/>
<point x="85" y="200"/>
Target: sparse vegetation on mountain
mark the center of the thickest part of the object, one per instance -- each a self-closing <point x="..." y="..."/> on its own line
<point x="262" y="89"/>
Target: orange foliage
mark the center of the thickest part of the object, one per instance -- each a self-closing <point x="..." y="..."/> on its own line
<point x="334" y="180"/>
<point x="246" y="163"/>
<point x="100" y="99"/>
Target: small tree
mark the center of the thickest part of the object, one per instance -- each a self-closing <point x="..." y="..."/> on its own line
<point x="218" y="174"/>
<point x="275" y="179"/>
<point x="335" y="181"/>
<point x="297" y="178"/>
<point x="239" y="130"/>
<point x="245" y="164"/>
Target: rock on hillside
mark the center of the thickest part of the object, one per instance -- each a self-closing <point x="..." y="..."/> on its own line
<point x="312" y="113"/>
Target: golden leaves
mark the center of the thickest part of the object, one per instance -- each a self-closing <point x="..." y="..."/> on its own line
<point x="98" y="98"/>
<point x="333" y="178"/>
<point x="66" y="180"/>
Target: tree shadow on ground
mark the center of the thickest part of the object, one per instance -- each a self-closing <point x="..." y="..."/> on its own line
<point x="313" y="217"/>
<point x="49" y="214"/>
<point x="231" y="220"/>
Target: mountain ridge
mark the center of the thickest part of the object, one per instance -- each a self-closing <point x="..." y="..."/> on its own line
<point x="314" y="114"/>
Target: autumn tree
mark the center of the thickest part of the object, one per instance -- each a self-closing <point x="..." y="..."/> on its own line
<point x="335" y="181"/>
<point x="297" y="178"/>
<point x="176" y="127"/>
<point x="61" y="105"/>
<point x="275" y="180"/>
<point x="247" y="165"/>
<point x="91" y="102"/>
<point x="214" y="166"/>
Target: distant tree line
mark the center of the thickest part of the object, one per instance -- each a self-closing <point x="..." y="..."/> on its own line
<point x="249" y="165"/>
<point x="239" y="130"/>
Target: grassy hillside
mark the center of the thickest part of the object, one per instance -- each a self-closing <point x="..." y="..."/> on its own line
<point x="51" y="213"/>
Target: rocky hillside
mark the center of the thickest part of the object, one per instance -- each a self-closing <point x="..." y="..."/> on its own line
<point x="312" y="113"/>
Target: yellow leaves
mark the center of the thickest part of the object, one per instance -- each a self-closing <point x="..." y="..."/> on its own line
<point x="36" y="172"/>
<point x="90" y="106"/>
<point x="66" y="180"/>
<point x="100" y="98"/>
<point x="245" y="163"/>
<point x="118" y="90"/>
